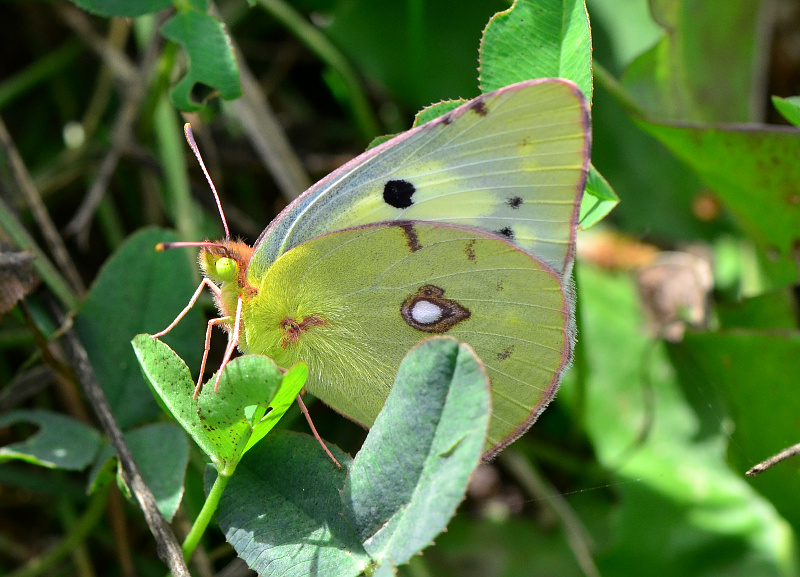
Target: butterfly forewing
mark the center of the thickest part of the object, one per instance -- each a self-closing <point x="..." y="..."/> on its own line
<point x="512" y="163"/>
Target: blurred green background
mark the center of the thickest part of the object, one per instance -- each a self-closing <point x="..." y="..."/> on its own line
<point x="685" y="369"/>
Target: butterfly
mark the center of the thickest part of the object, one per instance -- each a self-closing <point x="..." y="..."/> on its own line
<point x="462" y="226"/>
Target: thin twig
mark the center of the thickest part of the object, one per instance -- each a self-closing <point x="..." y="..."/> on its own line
<point x="774" y="460"/>
<point x="167" y="545"/>
<point x="268" y="137"/>
<point x="122" y="66"/>
<point x="25" y="184"/>
<point x="266" y="133"/>
<point x="122" y="136"/>
<point x="313" y="39"/>
<point x="64" y="378"/>
<point x="122" y="542"/>
<point x="532" y="481"/>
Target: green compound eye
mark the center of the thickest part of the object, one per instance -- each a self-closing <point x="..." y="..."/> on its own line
<point x="226" y="269"/>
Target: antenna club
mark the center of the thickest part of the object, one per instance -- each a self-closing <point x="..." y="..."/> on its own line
<point x="187" y="130"/>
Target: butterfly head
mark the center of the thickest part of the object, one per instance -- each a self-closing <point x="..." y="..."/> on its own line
<point x="226" y="262"/>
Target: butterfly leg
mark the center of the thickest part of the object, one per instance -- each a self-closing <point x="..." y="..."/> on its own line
<point x="211" y="324"/>
<point x="233" y="340"/>
<point x="304" y="410"/>
<point x="214" y="288"/>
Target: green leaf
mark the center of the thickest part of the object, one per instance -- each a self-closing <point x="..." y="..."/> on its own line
<point x="659" y="191"/>
<point x="617" y="40"/>
<point x="789" y="107"/>
<point x="282" y="511"/>
<point x="678" y="498"/>
<point x="420" y="51"/>
<point x="218" y="422"/>
<point x="672" y="83"/>
<point x="537" y="39"/>
<point x="755" y="173"/>
<point x="412" y="471"/>
<point x="210" y="55"/>
<point x="138" y="290"/>
<point x="172" y="384"/>
<point x="60" y="443"/>
<point x="599" y="200"/>
<point x="251" y="380"/>
<point x="754" y="374"/>
<point x="161" y="451"/>
<point x="436" y="110"/>
<point x="124" y="8"/>
<point x="291" y="385"/>
<point x="770" y="310"/>
<point x="385" y="570"/>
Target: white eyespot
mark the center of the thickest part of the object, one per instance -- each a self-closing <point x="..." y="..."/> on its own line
<point x="426" y="313"/>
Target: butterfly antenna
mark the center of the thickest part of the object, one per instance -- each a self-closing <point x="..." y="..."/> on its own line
<point x="162" y="246"/>
<point x="187" y="129"/>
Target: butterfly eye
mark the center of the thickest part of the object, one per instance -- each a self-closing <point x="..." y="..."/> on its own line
<point x="226" y="269"/>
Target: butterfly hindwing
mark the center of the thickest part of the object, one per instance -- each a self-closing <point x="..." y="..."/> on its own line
<point x="351" y="303"/>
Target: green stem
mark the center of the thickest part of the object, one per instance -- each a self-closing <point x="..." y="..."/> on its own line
<point x="110" y="222"/>
<point x="81" y="561"/>
<point x="612" y="86"/>
<point x="204" y="518"/>
<point x="54" y="63"/>
<point x="171" y="147"/>
<point x="325" y="50"/>
<point x="75" y="537"/>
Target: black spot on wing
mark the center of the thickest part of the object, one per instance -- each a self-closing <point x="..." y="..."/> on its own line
<point x="479" y="107"/>
<point x="469" y="250"/>
<point x="398" y="193"/>
<point x="506" y="231"/>
<point x="514" y="202"/>
<point x="505" y="354"/>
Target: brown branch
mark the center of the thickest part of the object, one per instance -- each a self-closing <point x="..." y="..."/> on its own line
<point x="167" y="545"/>
<point x="25" y="184"/>
<point x="122" y="66"/>
<point x="774" y="460"/>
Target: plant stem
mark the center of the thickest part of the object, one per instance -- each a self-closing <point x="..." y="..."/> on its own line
<point x="171" y="145"/>
<point x="325" y="50"/>
<point x="18" y="85"/>
<point x="204" y="518"/>
<point x="613" y="86"/>
<point x="73" y="539"/>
